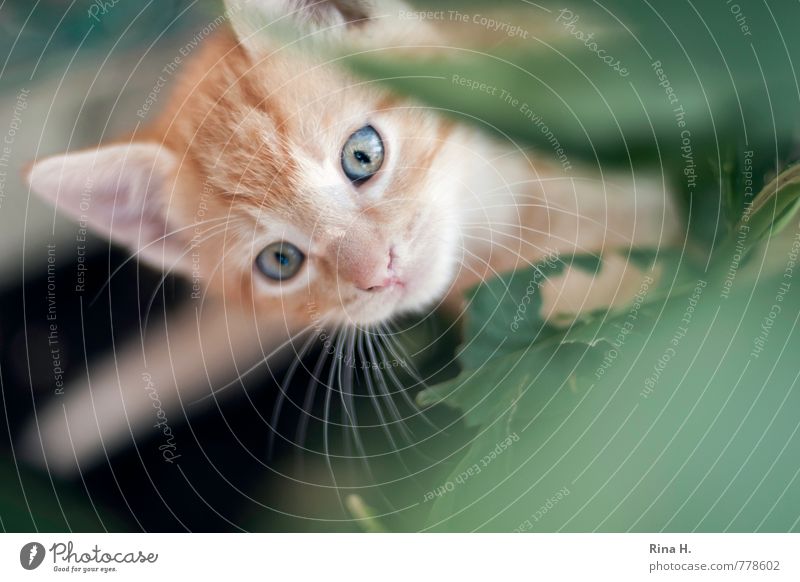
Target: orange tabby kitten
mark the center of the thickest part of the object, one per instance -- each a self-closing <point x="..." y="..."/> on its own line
<point x="296" y="197"/>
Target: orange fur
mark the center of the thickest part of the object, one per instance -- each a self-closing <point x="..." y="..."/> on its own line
<point x="251" y="138"/>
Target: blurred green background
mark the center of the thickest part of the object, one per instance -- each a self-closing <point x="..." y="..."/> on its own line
<point x="692" y="424"/>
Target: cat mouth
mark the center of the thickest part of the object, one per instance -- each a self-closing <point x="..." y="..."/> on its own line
<point x="378" y="305"/>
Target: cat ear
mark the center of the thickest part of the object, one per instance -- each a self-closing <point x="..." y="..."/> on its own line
<point x="120" y="191"/>
<point x="254" y="21"/>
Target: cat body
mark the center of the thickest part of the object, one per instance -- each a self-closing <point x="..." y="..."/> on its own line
<point x="298" y="198"/>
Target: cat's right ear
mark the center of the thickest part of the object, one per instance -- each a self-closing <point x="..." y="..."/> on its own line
<point x="257" y="23"/>
<point x="119" y="191"/>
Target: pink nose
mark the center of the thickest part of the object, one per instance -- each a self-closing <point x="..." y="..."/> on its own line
<point x="376" y="277"/>
<point x="385" y="283"/>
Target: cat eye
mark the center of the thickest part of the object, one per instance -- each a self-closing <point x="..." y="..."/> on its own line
<point x="280" y="260"/>
<point x="362" y="154"/>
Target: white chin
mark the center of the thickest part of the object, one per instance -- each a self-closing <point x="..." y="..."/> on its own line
<point x="374" y="309"/>
<point x="383" y="306"/>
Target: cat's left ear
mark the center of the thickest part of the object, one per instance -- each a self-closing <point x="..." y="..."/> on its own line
<point x="258" y="23"/>
<point x="120" y="191"/>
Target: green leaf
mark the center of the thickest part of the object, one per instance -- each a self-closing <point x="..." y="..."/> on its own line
<point x="364" y="515"/>
<point x="690" y="445"/>
<point x="501" y="307"/>
<point x="514" y="384"/>
<point x="774" y="207"/>
<point x="770" y="211"/>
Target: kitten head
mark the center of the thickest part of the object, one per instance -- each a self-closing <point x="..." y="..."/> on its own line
<point x="276" y="177"/>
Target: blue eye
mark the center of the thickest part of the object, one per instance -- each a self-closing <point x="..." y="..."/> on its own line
<point x="362" y="154"/>
<point x="280" y="261"/>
